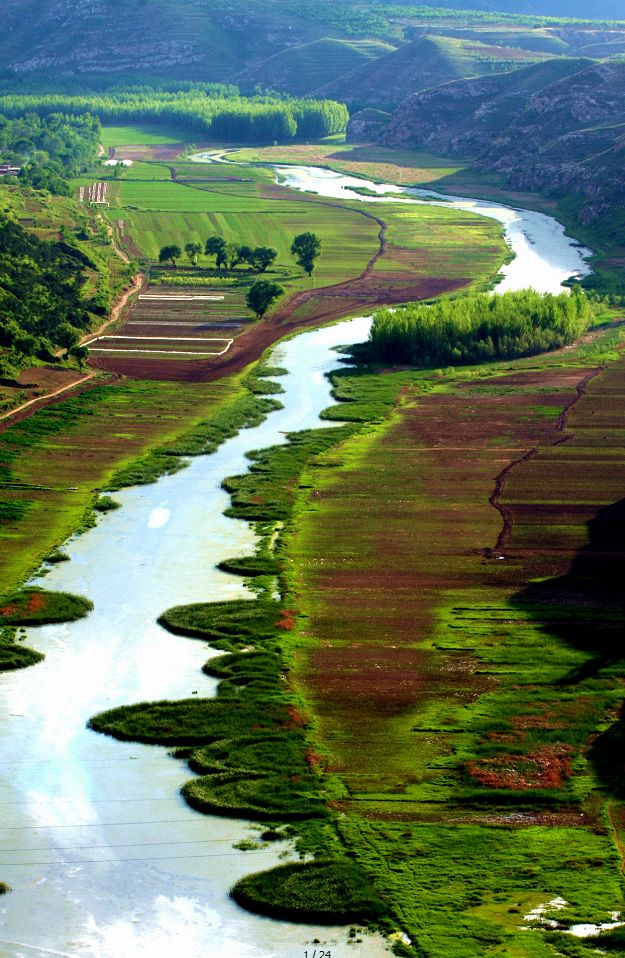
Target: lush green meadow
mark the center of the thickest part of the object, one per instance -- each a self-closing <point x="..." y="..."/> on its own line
<point x="244" y="205"/>
<point x="142" y="134"/>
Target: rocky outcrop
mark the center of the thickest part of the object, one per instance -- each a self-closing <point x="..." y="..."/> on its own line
<point x="545" y="133"/>
<point x="367" y="126"/>
<point x="210" y="40"/>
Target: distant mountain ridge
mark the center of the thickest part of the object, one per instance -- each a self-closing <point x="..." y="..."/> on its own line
<point x="219" y="40"/>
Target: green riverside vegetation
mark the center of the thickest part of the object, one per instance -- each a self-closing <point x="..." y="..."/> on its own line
<point x="257" y="752"/>
<point x="255" y="749"/>
<point x="329" y="892"/>
<point x="38" y="607"/>
<point x="32" y="607"/>
<point x="478" y="327"/>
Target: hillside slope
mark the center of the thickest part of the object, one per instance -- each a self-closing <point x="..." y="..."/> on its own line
<point x="424" y="63"/>
<point x="300" y="70"/>
<point x="50" y="40"/>
<point x="556" y="128"/>
<point x="577" y="9"/>
<point x="465" y="116"/>
<point x="206" y="40"/>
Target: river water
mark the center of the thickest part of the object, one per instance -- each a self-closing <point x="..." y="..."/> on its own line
<point x="104" y="857"/>
<point x="544" y="256"/>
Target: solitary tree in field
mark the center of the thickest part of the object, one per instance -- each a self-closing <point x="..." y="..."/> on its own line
<point x="80" y="353"/>
<point x="306" y="248"/>
<point x="264" y="256"/>
<point x="193" y="250"/>
<point x="170" y="253"/>
<point x="261" y="295"/>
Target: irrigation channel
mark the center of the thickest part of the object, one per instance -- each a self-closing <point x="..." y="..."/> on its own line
<point x="104" y="857"/>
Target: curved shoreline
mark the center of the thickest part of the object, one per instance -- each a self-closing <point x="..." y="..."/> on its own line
<point x="57" y="792"/>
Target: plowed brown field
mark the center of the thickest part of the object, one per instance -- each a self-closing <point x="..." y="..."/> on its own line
<point x="407" y="521"/>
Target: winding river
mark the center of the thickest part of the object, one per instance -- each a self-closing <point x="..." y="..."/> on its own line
<point x="104" y="857"/>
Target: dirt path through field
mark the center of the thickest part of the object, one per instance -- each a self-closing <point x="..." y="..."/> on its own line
<point x="135" y="287"/>
<point x="616" y="811"/>
<point x="303" y="310"/>
<point x="499" y="551"/>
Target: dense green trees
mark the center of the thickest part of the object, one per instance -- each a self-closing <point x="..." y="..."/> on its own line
<point x="49" y="149"/>
<point x="231" y="255"/>
<point x="306" y="248"/>
<point x="259" y="119"/>
<point x="41" y="298"/>
<point x="264" y="256"/>
<point x="261" y="295"/>
<point x="479" y="327"/>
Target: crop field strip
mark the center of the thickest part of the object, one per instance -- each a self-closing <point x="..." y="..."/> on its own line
<point x="105" y="429"/>
<point x="417" y="632"/>
<point x="176" y="323"/>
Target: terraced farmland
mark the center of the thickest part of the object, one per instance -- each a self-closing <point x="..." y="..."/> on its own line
<point x="174" y="323"/>
<point x="369" y="259"/>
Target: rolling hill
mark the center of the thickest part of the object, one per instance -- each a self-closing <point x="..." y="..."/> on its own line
<point x="556" y="128"/>
<point x="424" y="63"/>
<point x="301" y="70"/>
<point x="52" y="41"/>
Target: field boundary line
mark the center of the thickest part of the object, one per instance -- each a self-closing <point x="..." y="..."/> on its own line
<point x="167" y="339"/>
<point x="616" y="834"/>
<point x="179" y="299"/>
<point x="44" y="399"/>
<point x="165" y="353"/>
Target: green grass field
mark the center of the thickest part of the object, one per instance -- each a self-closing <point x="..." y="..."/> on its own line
<point x="143" y="134"/>
<point x="244" y="206"/>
